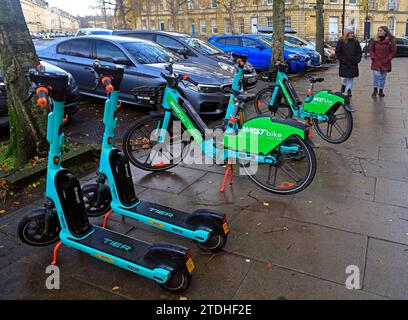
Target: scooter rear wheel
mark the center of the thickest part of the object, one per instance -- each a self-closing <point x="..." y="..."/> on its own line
<point x="216" y="241"/>
<point x="179" y="281"/>
<point x="90" y="194"/>
<point x="341" y="120"/>
<point x="31" y="229"/>
<point x="280" y="110"/>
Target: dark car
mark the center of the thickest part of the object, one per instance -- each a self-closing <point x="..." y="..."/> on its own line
<point x="402" y="47"/>
<point x="193" y="50"/>
<point x="143" y="61"/>
<point x="71" y="102"/>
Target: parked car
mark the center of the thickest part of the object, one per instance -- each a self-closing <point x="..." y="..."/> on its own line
<point x="194" y="50"/>
<point x="257" y="49"/>
<point x="143" y="61"/>
<point x="402" y="46"/>
<point x="296" y="40"/>
<point x="92" y="31"/>
<point x="315" y="58"/>
<point x="71" y="103"/>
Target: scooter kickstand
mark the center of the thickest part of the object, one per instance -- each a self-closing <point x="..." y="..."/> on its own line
<point x="228" y="171"/>
<point x="105" y="219"/>
<point x="55" y="253"/>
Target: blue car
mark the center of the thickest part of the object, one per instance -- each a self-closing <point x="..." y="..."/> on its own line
<point x="315" y="57"/>
<point x="258" y="50"/>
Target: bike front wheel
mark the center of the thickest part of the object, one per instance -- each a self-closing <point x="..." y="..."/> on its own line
<point x="144" y="150"/>
<point x="292" y="172"/>
<point x="338" y="127"/>
<point x="279" y="110"/>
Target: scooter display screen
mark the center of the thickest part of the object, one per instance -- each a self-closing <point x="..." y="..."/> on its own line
<point x="292" y="92"/>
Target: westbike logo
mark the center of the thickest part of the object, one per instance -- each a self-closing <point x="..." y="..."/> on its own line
<point x="262" y="132"/>
<point x="322" y="100"/>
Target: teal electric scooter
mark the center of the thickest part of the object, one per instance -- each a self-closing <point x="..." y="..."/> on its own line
<point x="209" y="229"/>
<point x="64" y="216"/>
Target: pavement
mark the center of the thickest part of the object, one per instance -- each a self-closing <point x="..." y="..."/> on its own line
<point x="355" y="213"/>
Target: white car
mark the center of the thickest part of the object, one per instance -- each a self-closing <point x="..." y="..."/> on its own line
<point x="306" y="43"/>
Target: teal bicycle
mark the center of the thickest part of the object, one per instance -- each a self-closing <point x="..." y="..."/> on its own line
<point x="328" y="112"/>
<point x="275" y="154"/>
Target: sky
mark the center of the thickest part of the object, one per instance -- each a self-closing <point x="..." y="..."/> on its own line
<point x="75" y="7"/>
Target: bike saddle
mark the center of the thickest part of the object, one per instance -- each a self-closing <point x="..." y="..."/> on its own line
<point x="314" y="80"/>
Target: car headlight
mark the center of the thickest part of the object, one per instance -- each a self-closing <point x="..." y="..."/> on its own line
<point x="295" y="56"/>
<point x="227" y="67"/>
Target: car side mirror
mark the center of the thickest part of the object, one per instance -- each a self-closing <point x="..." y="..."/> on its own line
<point x="121" y="60"/>
<point x="183" y="52"/>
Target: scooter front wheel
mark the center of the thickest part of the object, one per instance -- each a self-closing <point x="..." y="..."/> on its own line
<point x="31" y="229"/>
<point x="279" y="110"/>
<point x="215" y="242"/>
<point x="179" y="281"/>
<point x="90" y="195"/>
<point x="338" y="127"/>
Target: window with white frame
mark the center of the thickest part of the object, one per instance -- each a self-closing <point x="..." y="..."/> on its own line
<point x="214" y="28"/>
<point x="334" y="1"/>
<point x="227" y="25"/>
<point x="352" y="1"/>
<point x="269" y="21"/>
<point x="392" y="24"/>
<point x="288" y="22"/>
<point x="241" y="25"/>
<point x="392" y="5"/>
<point x="269" y="2"/>
<point x="161" y="5"/>
<point x="203" y="26"/>
<point x="190" y="4"/>
<point x="213" y="4"/>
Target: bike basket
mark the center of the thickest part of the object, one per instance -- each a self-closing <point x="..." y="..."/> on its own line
<point x="148" y="96"/>
<point x="268" y="76"/>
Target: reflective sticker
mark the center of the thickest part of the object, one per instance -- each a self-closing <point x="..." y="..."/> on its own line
<point x="190" y="265"/>
<point x="98" y="255"/>
<point x="225" y="227"/>
<point x="156" y="224"/>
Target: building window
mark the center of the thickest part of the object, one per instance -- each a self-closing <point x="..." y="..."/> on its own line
<point x="334" y="1"/>
<point x="352" y="1"/>
<point x="161" y="6"/>
<point x="190" y="4"/>
<point x="269" y="21"/>
<point x="392" y="5"/>
<point x="288" y="22"/>
<point x="181" y="25"/>
<point x="269" y="2"/>
<point x="203" y="26"/>
<point x="213" y="3"/>
<point x="161" y="25"/>
<point x="372" y="5"/>
<point x="241" y="26"/>
<point x="391" y="24"/>
<point x="214" y="28"/>
<point x="227" y="24"/>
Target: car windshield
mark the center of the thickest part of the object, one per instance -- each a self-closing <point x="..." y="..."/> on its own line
<point x="148" y="53"/>
<point x="265" y="41"/>
<point x="202" y="46"/>
<point x="99" y="32"/>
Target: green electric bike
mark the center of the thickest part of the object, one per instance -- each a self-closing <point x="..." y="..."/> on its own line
<point x="275" y="154"/>
<point x="328" y="112"/>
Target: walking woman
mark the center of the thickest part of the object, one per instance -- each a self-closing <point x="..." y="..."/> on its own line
<point x="348" y="52"/>
<point x="382" y="50"/>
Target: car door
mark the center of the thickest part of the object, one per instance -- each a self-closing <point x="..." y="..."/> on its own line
<point x="107" y="51"/>
<point x="405" y="48"/>
<point x="75" y="56"/>
<point x="258" y="54"/>
<point x="400" y="47"/>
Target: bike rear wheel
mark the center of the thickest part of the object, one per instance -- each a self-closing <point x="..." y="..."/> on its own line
<point x="339" y="126"/>
<point x="291" y="173"/>
<point x="279" y="110"/>
<point x="143" y="149"/>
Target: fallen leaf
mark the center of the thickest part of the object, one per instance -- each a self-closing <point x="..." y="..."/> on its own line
<point x="247" y="260"/>
<point x="328" y="211"/>
<point x="183" y="298"/>
<point x="115" y="288"/>
<point x="269" y="265"/>
<point x="2" y="211"/>
<point x="266" y="204"/>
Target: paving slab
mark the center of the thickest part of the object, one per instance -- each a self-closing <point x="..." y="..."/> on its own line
<point x="353" y="215"/>
<point x="382" y="169"/>
<point x="266" y="281"/>
<point x="393" y="154"/>
<point x="387" y="269"/>
<point x="391" y="192"/>
<point x="174" y="180"/>
<point x="319" y="251"/>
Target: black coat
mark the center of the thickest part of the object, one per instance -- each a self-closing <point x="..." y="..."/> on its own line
<point x="349" y="55"/>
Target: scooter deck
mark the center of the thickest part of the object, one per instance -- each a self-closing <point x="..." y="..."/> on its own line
<point x="115" y="244"/>
<point x="162" y="213"/>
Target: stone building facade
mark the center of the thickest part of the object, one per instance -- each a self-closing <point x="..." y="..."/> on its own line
<point x="211" y="17"/>
<point x="41" y="18"/>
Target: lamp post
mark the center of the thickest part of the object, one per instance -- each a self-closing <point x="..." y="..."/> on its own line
<point x="343" y="17"/>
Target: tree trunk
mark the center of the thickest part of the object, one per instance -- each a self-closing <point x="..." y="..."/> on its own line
<point x="122" y="14"/>
<point x="278" y="36"/>
<point x="320" y="29"/>
<point x="17" y="55"/>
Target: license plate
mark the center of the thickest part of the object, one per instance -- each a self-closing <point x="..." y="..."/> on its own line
<point x="251" y="80"/>
<point x="190" y="265"/>
<point x="225" y="227"/>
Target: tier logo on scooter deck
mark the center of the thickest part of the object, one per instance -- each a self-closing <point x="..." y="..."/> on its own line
<point x="118" y="245"/>
<point x="162" y="213"/>
<point x="263" y="132"/>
